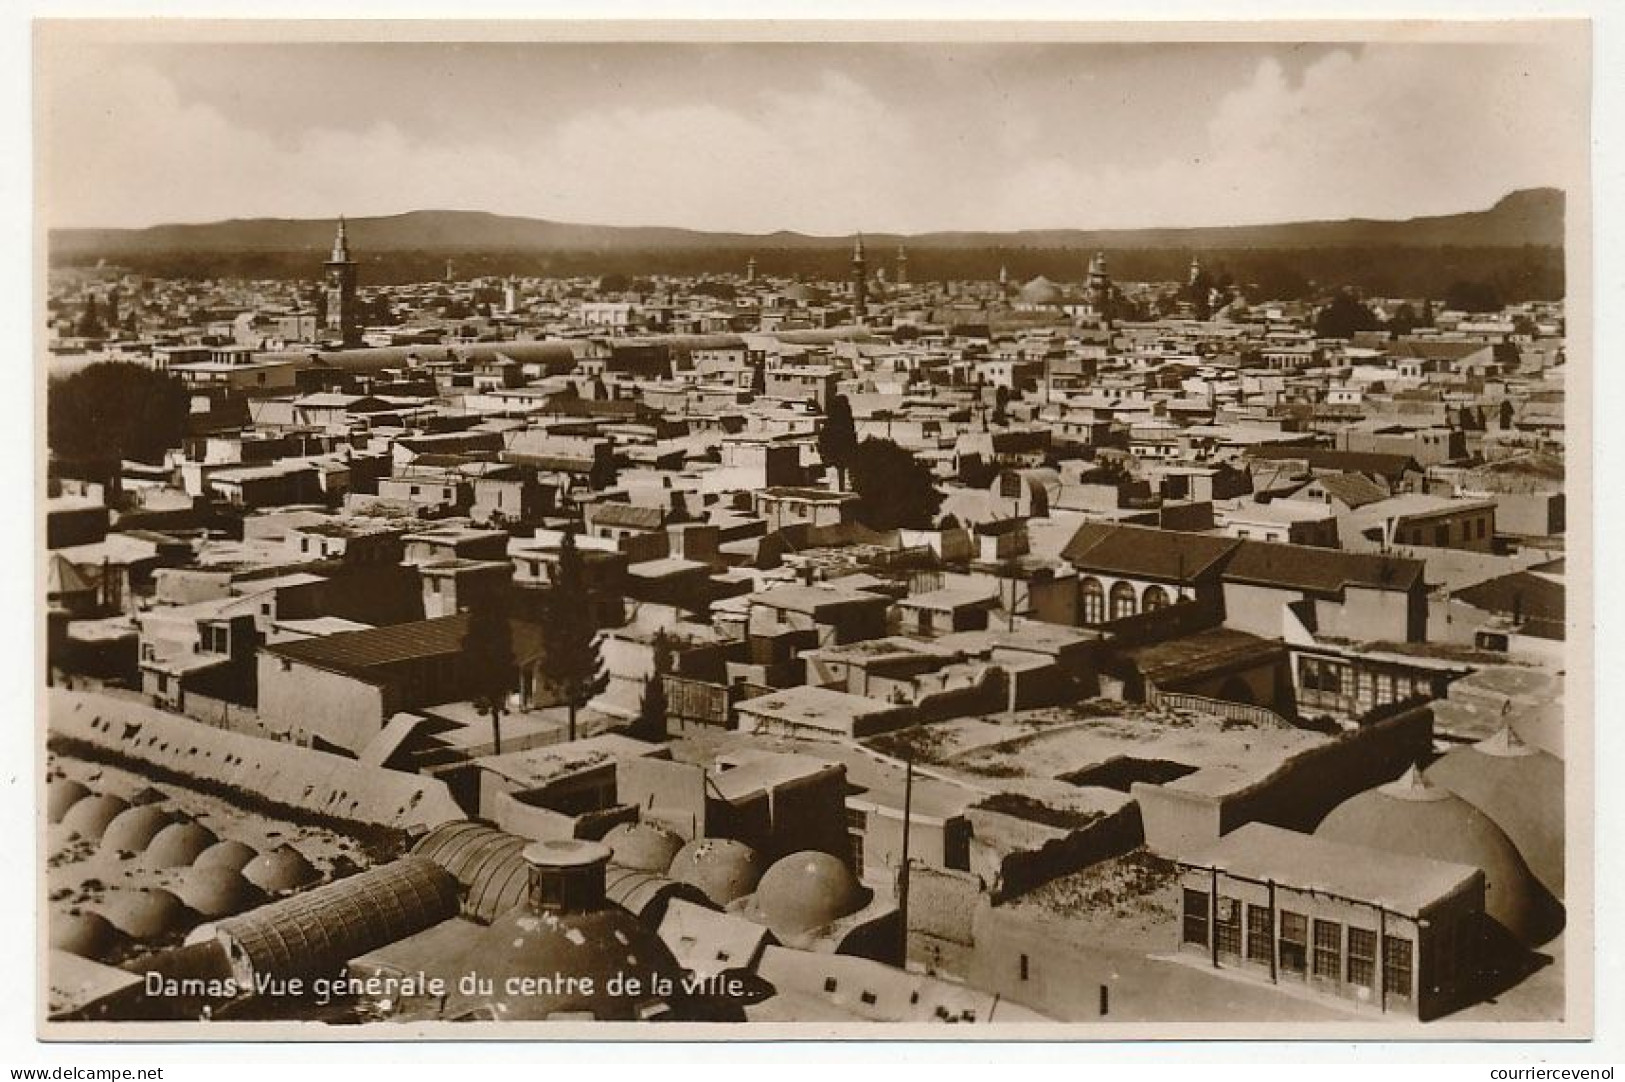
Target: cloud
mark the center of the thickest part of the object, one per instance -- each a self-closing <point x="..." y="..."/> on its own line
<point x="1382" y="132"/>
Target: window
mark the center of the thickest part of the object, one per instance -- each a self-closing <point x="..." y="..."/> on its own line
<point x="868" y="998"/>
<point x="1227" y="926"/>
<point x="1396" y="966"/>
<point x="829" y="984"/>
<point x="1441" y="535"/>
<point x="1024" y="969"/>
<point x="1309" y="674"/>
<point x="1195" y="906"/>
<point x="1260" y="940"/>
<point x="1155" y="598"/>
<point x="1328" y="949"/>
<point x="1123" y="601"/>
<point x="1094" y="602"/>
<point x="1362" y="957"/>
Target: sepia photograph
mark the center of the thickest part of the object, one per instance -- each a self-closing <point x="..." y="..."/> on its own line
<point x="922" y="530"/>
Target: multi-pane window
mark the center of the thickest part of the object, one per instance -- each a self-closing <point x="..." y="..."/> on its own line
<point x="1328" y="949"/>
<point x="1227" y="926"/>
<point x="1259" y="938"/>
<point x="1294" y="942"/>
<point x="1396" y="966"/>
<point x="1094" y="602"/>
<point x="1196" y="917"/>
<point x="1362" y="957"/>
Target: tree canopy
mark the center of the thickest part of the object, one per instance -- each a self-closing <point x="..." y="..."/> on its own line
<point x="1344" y="316"/>
<point x="571" y="666"/>
<point x="895" y="490"/>
<point x="488" y="663"/>
<point x="838" y="436"/>
<point x="116" y="410"/>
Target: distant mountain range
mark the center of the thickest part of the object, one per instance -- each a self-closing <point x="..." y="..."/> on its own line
<point x="1528" y="217"/>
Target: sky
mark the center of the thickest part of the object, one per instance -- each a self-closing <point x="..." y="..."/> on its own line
<point x="813" y="137"/>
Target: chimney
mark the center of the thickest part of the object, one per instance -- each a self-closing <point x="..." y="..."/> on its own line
<point x="566" y="875"/>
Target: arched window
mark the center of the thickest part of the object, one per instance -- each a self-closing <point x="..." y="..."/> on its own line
<point x="1123" y="603"/>
<point x="1155" y="598"/>
<point x="1094" y="602"/>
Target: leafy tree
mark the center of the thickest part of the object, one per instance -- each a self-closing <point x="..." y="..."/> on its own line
<point x="570" y="664"/>
<point x="650" y="724"/>
<point x="838" y="437"/>
<point x="1403" y="321"/>
<point x="1001" y="405"/>
<point x="116" y="410"/>
<point x="488" y="662"/>
<point x="895" y="490"/>
<point x="1344" y="316"/>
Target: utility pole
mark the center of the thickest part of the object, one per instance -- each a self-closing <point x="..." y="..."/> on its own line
<point x="908" y="824"/>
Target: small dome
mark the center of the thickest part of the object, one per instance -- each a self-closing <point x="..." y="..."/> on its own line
<point x="600" y="946"/>
<point x="1520" y="788"/>
<point x="283" y="869"/>
<point x="90" y="817"/>
<point x="642" y="846"/>
<point x="133" y="830"/>
<point x="145" y="915"/>
<point x="231" y="854"/>
<point x="1040" y="291"/>
<point x="218" y="892"/>
<point x="1415" y="817"/>
<point x="62" y="794"/>
<point x="722" y="869"/>
<point x="89" y="935"/>
<point x="804" y="892"/>
<point x="178" y="845"/>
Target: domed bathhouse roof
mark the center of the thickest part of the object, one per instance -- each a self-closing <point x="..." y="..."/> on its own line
<point x="724" y="870"/>
<point x="62" y="794"/>
<point x="805" y="892"/>
<point x="281" y="870"/>
<point x="229" y="853"/>
<point x="90" y="817"/>
<point x="147" y="915"/>
<point x="567" y="933"/>
<point x="1520" y="788"/>
<point x="215" y="892"/>
<point x="1413" y="816"/>
<point x="89" y="935"/>
<point x="642" y="847"/>
<point x="485" y="860"/>
<point x="133" y="829"/>
<point x="178" y="845"/>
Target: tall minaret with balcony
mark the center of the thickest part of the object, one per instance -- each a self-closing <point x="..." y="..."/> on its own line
<point x="339" y="282"/>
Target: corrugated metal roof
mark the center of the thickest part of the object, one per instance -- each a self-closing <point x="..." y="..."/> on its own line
<point x="360" y="652"/>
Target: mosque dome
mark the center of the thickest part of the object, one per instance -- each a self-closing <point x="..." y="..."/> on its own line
<point x="643" y="846"/>
<point x="283" y="869"/>
<point x="1040" y="291"/>
<point x="218" y="892"/>
<point x="1414" y="817"/>
<point x="62" y="794"/>
<point x="178" y="845"/>
<point x="89" y="935"/>
<point x="90" y="817"/>
<point x="804" y="892"/>
<point x="134" y="828"/>
<point x="230" y="854"/>
<point x="566" y="929"/>
<point x="722" y="869"/>
<point x="146" y="914"/>
<point x="1520" y="788"/>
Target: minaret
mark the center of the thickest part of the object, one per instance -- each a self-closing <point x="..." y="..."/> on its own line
<point x="860" y="283"/>
<point x="339" y="275"/>
<point x="1196" y="269"/>
<point x="902" y="265"/>
<point x="1100" y="288"/>
<point x="750" y="269"/>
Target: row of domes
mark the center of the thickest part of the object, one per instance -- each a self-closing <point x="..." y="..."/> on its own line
<point x="794" y="897"/>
